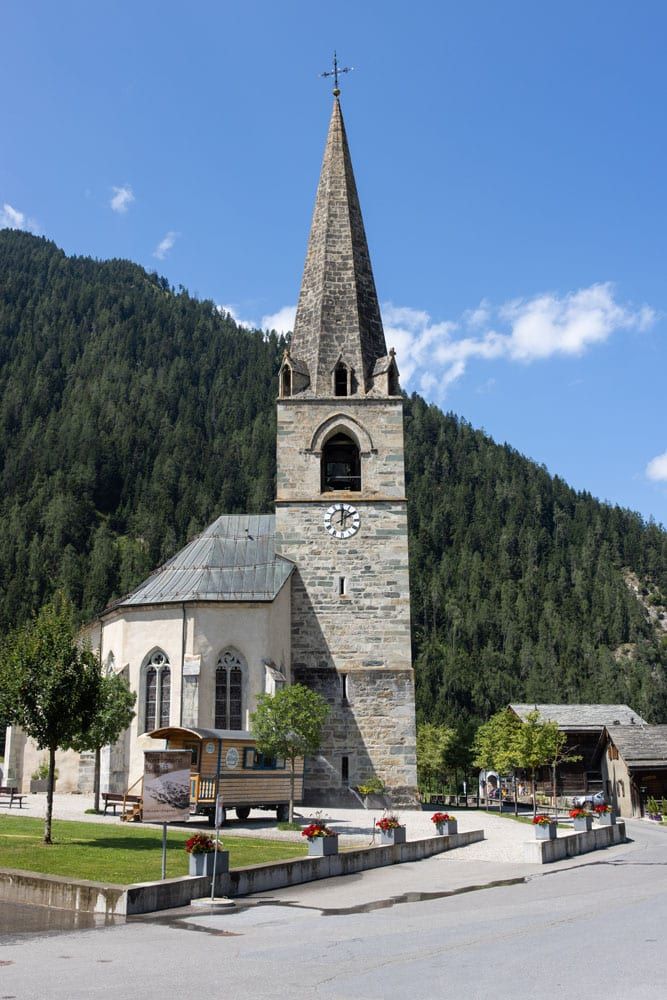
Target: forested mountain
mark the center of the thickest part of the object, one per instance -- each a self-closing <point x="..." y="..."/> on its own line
<point x="132" y="415"/>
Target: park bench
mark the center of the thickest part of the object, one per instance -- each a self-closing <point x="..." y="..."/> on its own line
<point x="12" y="794"/>
<point x="115" y="799"/>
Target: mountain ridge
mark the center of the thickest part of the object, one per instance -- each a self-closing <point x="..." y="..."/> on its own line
<point x="131" y="415"/>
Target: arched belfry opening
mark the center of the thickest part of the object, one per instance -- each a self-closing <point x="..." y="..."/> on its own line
<point x="341" y="464"/>
<point x="286" y="382"/>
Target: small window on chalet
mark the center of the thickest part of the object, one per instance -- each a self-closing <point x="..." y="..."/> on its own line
<point x="341" y="387"/>
<point x="286" y="385"/>
<point x="341" y="464"/>
<point x="248" y="757"/>
<point x="264" y="762"/>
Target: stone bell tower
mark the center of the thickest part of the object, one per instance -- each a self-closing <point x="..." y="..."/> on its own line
<point x="340" y="506"/>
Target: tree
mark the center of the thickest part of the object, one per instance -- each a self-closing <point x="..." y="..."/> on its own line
<point x="495" y="746"/>
<point x="50" y="685"/>
<point x="433" y="745"/>
<point x="539" y="743"/>
<point x="289" y="724"/>
<point x="115" y="713"/>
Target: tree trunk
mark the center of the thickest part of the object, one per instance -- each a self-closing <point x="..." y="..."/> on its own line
<point x="49" y="795"/>
<point x="96" y="779"/>
<point x="291" y="791"/>
<point x="533" y="785"/>
<point x="516" y="797"/>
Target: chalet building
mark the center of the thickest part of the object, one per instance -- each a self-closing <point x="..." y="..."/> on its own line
<point x="585" y="727"/>
<point x="633" y="762"/>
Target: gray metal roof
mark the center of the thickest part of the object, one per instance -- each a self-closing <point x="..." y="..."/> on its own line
<point x="640" y="746"/>
<point x="234" y="559"/>
<point x="205" y="734"/>
<point x="582" y="716"/>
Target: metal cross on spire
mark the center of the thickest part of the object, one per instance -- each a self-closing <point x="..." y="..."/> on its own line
<point x="334" y="73"/>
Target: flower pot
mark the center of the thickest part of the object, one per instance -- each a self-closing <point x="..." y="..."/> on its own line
<point x="390" y="837"/>
<point x="322" y="847"/>
<point x="607" y="819"/>
<point x="446" y="829"/>
<point x="376" y="801"/>
<point x="40" y="785"/>
<point x="202" y="864"/>
<point x="546" y="831"/>
<point x="583" y="824"/>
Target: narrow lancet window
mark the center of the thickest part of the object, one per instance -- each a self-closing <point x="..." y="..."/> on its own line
<point x="341" y="380"/>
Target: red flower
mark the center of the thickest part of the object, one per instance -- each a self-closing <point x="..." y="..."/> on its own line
<point x="388" y="823"/>
<point x="200" y="844"/>
<point x="578" y="813"/>
<point x="439" y="818"/>
<point x="601" y="809"/>
<point x="317" y="830"/>
<point x="541" y="820"/>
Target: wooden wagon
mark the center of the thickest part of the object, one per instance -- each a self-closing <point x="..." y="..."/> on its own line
<point x="227" y="762"/>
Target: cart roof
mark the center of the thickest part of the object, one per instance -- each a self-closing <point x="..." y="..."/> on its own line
<point x="169" y="732"/>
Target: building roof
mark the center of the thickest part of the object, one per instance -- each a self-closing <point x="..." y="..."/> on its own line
<point x="234" y="559"/>
<point x="338" y="313"/>
<point x="592" y="717"/>
<point x="640" y="746"/>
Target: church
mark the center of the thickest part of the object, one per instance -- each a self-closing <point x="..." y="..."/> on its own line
<point x="315" y="593"/>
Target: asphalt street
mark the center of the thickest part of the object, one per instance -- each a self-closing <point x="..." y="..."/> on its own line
<point x="596" y="929"/>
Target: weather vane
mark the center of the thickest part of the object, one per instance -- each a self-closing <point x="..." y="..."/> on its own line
<point x="334" y="73"/>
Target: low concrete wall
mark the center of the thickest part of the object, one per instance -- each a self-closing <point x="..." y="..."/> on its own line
<point x="544" y="852"/>
<point x="119" y="900"/>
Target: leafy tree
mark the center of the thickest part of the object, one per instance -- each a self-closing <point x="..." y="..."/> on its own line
<point x="433" y="745"/>
<point x="50" y="685"/>
<point x="289" y="724"/>
<point x="114" y="715"/>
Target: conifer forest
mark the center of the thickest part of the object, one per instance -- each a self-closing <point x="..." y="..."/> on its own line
<point x="133" y="414"/>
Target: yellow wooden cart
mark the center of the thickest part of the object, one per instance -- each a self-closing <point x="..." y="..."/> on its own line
<point x="227" y="762"/>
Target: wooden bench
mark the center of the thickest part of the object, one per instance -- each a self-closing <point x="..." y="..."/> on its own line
<point x="12" y="794"/>
<point x="116" y="799"/>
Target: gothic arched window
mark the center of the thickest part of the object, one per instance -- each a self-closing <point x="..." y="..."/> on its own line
<point x="341" y="464"/>
<point x="157" y="691"/>
<point x="229" y="690"/>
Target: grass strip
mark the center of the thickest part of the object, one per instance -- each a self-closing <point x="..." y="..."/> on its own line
<point x="122" y="853"/>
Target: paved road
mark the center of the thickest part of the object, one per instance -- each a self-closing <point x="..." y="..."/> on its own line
<point x="593" y="930"/>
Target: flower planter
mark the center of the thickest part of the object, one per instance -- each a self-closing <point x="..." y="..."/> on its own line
<point x="446" y="829"/>
<point x="39" y="785"/>
<point x="202" y="864"/>
<point x="606" y="819"/>
<point x="583" y="824"/>
<point x="322" y="847"/>
<point x="376" y="801"/>
<point x="546" y="831"/>
<point x="390" y="837"/>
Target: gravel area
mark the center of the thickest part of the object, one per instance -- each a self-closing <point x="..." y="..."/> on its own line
<point x="503" y="843"/>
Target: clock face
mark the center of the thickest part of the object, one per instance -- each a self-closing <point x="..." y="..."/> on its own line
<point x="342" y="520"/>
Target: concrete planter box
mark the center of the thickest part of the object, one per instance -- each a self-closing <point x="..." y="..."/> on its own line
<point x="322" y="847"/>
<point x="390" y="837"/>
<point x="546" y="832"/>
<point x="584" y="824"/>
<point x="606" y="819"/>
<point x="40" y="785"/>
<point x="446" y="829"/>
<point x="376" y="801"/>
<point x="202" y="864"/>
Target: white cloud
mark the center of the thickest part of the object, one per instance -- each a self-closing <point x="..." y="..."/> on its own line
<point x="250" y="324"/>
<point x="165" y="245"/>
<point x="122" y="198"/>
<point x="524" y="330"/>
<point x="657" y="468"/>
<point x="281" y="321"/>
<point x="11" y="218"/>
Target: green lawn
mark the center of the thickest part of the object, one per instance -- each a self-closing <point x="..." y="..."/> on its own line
<point x="122" y="853"/>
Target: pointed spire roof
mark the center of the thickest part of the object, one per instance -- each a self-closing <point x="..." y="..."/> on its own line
<point x="338" y="316"/>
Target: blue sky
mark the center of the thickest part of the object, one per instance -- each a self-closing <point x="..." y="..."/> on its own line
<point x="510" y="163"/>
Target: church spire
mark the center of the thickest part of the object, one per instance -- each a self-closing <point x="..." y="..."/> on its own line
<point x="338" y="322"/>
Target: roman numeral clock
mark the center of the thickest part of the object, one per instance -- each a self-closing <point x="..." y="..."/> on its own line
<point x="342" y="520"/>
